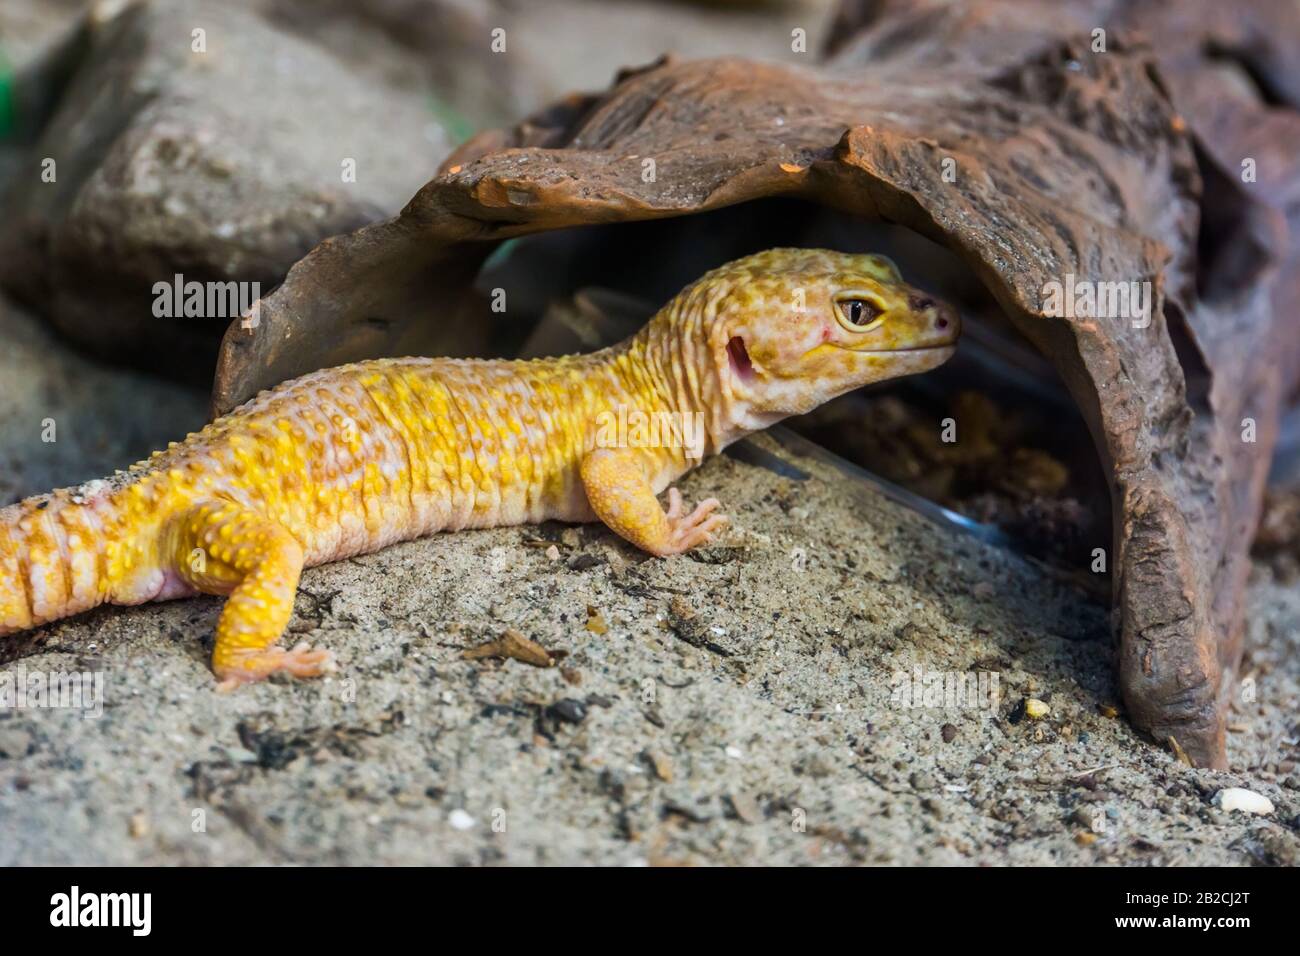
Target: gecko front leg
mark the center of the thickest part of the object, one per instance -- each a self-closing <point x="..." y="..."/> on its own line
<point x="622" y="497"/>
<point x="223" y="548"/>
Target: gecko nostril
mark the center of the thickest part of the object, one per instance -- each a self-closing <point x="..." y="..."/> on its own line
<point x="942" y="322"/>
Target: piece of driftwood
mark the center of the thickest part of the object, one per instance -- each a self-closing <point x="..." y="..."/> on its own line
<point x="1003" y="132"/>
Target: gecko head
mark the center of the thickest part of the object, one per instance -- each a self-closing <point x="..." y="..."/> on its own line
<point x="793" y="328"/>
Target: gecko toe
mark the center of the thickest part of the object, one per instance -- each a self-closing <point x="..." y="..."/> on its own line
<point x="674" y="504"/>
<point x="695" y="529"/>
<point x="255" y="664"/>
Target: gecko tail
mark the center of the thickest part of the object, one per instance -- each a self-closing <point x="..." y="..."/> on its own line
<point x="50" y="561"/>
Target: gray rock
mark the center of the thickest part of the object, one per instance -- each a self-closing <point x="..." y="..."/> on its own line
<point x="65" y="419"/>
<point x="222" y="156"/>
<point x="29" y="27"/>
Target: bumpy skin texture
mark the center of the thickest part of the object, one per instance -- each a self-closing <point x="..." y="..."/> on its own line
<point x="352" y="459"/>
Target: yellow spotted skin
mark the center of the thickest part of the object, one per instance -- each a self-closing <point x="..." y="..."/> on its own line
<point x="349" y="460"/>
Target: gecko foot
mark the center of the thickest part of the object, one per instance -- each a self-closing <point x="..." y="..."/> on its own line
<point x="249" y="665"/>
<point x="694" y="529"/>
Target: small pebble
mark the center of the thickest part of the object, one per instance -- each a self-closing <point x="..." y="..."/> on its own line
<point x="1247" y="801"/>
<point x="460" y="820"/>
<point x="663" y="767"/>
<point x="568" y="711"/>
<point x="746" y="807"/>
<point x="815" y="766"/>
<point x="1086" y="817"/>
<point x="1035" y="709"/>
<point x="15" y="742"/>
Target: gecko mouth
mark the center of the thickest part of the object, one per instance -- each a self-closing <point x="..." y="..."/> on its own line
<point x="909" y="349"/>
<point x="741" y="364"/>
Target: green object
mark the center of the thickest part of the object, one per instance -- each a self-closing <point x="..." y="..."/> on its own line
<point x="7" y="117"/>
<point x="457" y="126"/>
<point x="499" y="255"/>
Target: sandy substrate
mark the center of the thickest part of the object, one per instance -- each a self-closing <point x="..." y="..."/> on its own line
<point x="740" y="705"/>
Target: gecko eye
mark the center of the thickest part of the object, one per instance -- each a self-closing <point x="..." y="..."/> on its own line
<point x="858" y="314"/>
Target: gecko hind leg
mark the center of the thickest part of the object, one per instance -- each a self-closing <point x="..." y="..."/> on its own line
<point x="226" y="549"/>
